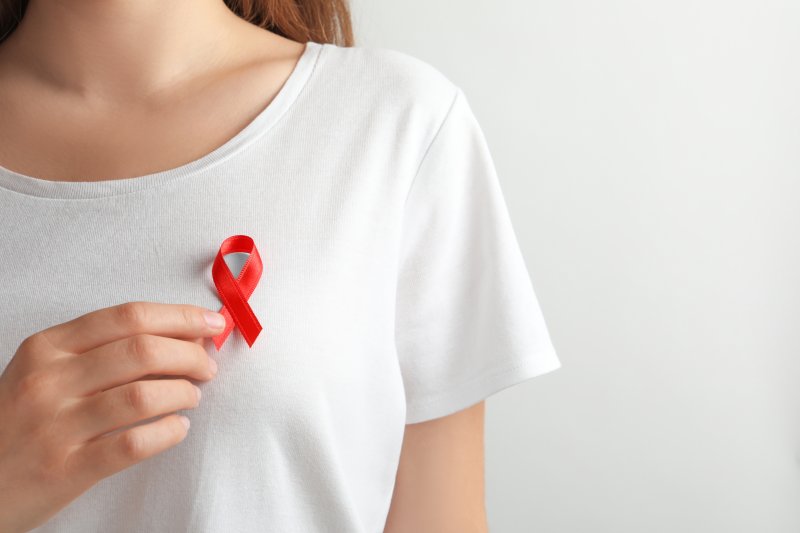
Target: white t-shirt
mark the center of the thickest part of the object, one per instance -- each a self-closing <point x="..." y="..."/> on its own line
<point x="393" y="291"/>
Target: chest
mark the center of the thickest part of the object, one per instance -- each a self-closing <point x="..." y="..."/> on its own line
<point x="95" y="140"/>
<point x="324" y="298"/>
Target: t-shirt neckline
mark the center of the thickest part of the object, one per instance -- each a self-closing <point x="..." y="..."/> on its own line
<point x="266" y="118"/>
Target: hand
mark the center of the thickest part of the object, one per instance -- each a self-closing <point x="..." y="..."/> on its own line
<point x="70" y="386"/>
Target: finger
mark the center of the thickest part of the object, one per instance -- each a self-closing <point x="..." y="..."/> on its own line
<point x="108" y="454"/>
<point x="128" y="404"/>
<point x="108" y="324"/>
<point x="132" y="358"/>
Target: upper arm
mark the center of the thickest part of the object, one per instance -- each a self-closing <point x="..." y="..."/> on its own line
<point x="440" y="478"/>
<point x="467" y="325"/>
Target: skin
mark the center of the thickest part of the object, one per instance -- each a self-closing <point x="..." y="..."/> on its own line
<point x="184" y="77"/>
<point x="440" y="479"/>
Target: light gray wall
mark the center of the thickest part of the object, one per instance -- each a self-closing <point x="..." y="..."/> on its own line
<point x="650" y="157"/>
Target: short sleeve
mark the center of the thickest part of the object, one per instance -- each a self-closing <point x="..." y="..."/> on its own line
<point x="467" y="321"/>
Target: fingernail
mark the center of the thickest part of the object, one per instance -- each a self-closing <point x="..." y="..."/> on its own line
<point x="214" y="320"/>
<point x="185" y="421"/>
<point x="213" y="365"/>
<point x="199" y="392"/>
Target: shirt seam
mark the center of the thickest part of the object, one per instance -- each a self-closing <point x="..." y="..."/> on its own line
<point x="430" y="144"/>
<point x="529" y="361"/>
<point x="528" y="366"/>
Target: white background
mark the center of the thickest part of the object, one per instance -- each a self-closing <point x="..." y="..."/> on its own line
<point x="649" y="153"/>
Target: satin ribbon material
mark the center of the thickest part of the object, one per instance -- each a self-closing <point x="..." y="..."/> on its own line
<point x="234" y="292"/>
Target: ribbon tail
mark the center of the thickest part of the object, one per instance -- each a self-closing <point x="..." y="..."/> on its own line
<point x="219" y="339"/>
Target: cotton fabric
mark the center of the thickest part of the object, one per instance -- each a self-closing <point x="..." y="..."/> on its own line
<point x="394" y="292"/>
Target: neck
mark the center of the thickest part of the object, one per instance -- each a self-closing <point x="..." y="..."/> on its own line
<point x="111" y="49"/>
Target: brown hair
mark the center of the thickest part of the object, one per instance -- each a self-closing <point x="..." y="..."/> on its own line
<point x="323" y="21"/>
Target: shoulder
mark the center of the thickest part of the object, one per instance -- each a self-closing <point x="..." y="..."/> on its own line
<point x="387" y="77"/>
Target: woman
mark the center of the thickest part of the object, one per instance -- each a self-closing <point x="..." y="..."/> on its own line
<point x="135" y="138"/>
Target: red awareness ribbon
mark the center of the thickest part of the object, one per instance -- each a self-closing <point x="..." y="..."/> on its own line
<point x="234" y="292"/>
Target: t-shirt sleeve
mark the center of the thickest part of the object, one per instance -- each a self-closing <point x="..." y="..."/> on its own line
<point x="467" y="322"/>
